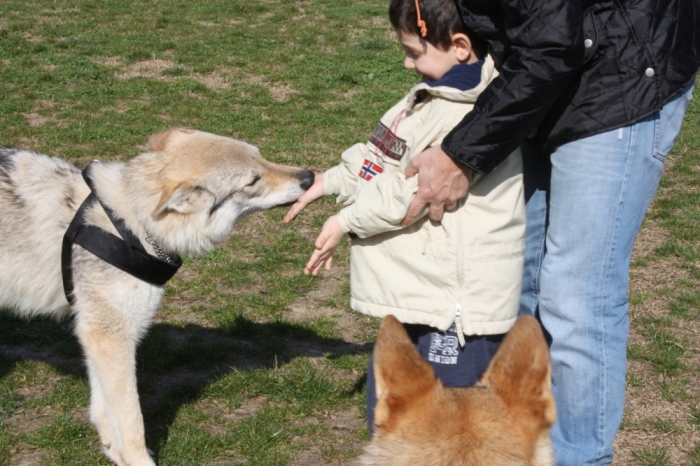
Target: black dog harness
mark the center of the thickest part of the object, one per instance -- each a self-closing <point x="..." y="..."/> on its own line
<point x="127" y="254"/>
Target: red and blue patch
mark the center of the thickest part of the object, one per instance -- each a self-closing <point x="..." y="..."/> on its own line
<point x="370" y="170"/>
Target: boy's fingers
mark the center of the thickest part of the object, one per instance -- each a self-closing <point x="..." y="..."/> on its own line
<point x="311" y="264"/>
<point x="321" y="241"/>
<point x="293" y="212"/>
<point x="329" y="263"/>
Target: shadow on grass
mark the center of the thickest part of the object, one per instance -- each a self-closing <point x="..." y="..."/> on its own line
<point x="175" y="364"/>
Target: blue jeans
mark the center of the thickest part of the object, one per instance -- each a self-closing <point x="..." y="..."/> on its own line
<point x="585" y="205"/>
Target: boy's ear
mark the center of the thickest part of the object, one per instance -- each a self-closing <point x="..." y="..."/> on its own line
<point x="463" y="47"/>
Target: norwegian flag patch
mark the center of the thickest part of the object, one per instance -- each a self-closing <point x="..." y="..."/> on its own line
<point x="370" y="170"/>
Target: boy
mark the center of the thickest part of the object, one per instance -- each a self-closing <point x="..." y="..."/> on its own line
<point x="455" y="285"/>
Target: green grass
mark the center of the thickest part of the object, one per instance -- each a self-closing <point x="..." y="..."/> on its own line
<point x="664" y="308"/>
<point x="302" y="81"/>
<point x="230" y="373"/>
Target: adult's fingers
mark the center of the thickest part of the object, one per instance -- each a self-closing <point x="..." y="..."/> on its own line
<point x="413" y="167"/>
<point x="436" y="212"/>
<point x="414" y="210"/>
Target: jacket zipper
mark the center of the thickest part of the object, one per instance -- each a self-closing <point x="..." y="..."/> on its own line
<point x="460" y="278"/>
<point x="458" y="325"/>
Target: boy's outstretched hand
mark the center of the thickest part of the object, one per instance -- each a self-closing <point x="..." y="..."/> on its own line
<point x="314" y="192"/>
<point x="326" y="244"/>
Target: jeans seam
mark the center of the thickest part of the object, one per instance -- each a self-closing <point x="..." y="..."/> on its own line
<point x="536" y="275"/>
<point x="683" y="100"/>
<point x="606" y="298"/>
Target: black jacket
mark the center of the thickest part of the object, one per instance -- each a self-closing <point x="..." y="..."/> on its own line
<point x="571" y="69"/>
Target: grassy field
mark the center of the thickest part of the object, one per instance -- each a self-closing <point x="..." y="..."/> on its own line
<point x="250" y="361"/>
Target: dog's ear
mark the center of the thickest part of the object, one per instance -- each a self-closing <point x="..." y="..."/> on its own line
<point x="520" y="373"/>
<point x="160" y="141"/>
<point x="401" y="375"/>
<point x="183" y="199"/>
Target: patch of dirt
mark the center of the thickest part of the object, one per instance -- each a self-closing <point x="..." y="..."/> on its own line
<point x="224" y="415"/>
<point x="34" y="119"/>
<point x="27" y="457"/>
<point x="248" y="408"/>
<point x="646" y="410"/>
<point x="339" y="437"/>
<point x="31" y="38"/>
<point x="279" y="92"/>
<point x="148" y="69"/>
<point x="108" y="61"/>
<point x="25" y="422"/>
<point x="155" y="69"/>
<point x="213" y="81"/>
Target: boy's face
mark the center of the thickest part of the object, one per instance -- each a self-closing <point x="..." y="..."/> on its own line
<point x="429" y="61"/>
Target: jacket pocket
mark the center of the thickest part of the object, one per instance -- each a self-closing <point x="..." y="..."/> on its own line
<point x="668" y="122"/>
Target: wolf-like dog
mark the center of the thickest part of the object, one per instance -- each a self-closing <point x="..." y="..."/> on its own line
<point x="504" y="420"/>
<point x="181" y="198"/>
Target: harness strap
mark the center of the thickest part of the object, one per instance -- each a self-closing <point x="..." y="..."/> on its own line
<point x="127" y="254"/>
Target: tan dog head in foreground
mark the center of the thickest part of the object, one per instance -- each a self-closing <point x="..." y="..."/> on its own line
<point x="503" y="420"/>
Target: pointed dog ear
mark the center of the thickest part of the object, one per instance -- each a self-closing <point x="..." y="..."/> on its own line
<point x="401" y="375"/>
<point x="160" y="141"/>
<point x="183" y="199"/>
<point x="520" y="373"/>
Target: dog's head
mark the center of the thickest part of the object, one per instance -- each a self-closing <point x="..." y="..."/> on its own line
<point x="503" y="420"/>
<point x="195" y="186"/>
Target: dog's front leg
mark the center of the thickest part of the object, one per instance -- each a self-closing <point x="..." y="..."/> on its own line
<point x="114" y="405"/>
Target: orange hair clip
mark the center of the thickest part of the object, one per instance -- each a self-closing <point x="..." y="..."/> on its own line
<point x="421" y="23"/>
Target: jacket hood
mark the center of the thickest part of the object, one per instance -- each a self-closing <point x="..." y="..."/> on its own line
<point x="457" y="85"/>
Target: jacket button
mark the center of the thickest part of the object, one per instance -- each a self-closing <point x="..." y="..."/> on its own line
<point x="649" y="72"/>
<point x="588" y="43"/>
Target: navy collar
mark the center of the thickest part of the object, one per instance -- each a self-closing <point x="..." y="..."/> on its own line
<point x="461" y="77"/>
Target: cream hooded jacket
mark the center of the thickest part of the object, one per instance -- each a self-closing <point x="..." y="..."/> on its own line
<point x="465" y="270"/>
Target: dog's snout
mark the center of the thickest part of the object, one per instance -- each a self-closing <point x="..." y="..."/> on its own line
<point x="306" y="179"/>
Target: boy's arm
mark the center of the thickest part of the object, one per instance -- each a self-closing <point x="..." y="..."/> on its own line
<point x="382" y="203"/>
<point x="379" y="206"/>
<point x="342" y="180"/>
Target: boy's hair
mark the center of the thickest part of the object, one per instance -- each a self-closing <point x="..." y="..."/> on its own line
<point x="441" y="18"/>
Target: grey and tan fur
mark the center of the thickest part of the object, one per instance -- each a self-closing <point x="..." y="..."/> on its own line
<point x="188" y="192"/>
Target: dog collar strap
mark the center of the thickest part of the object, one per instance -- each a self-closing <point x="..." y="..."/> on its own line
<point x="127" y="254"/>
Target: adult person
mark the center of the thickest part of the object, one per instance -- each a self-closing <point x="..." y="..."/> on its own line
<point x="594" y="92"/>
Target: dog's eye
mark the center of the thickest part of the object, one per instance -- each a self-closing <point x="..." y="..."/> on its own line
<point x="252" y="182"/>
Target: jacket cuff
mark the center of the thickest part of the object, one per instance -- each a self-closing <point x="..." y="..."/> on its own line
<point x="329" y="185"/>
<point x="343" y="221"/>
<point x="470" y="164"/>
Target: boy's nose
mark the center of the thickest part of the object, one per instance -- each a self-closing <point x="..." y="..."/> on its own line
<point x="408" y="63"/>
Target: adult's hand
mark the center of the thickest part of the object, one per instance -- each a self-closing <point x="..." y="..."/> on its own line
<point x="441" y="184"/>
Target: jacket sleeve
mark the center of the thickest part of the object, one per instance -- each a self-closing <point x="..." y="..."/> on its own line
<point x="342" y="180"/>
<point x="545" y="50"/>
<point x="381" y="204"/>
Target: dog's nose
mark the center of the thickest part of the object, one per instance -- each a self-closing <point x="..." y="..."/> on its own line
<point x="306" y="179"/>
